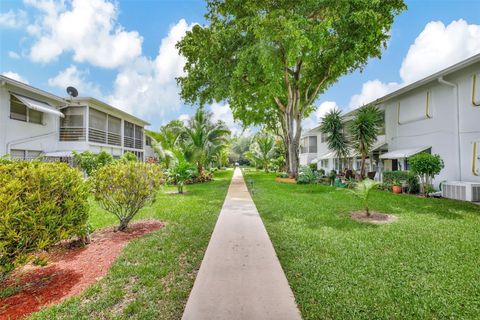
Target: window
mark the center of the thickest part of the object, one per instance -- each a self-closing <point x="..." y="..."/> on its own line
<point x="381" y="131"/>
<point x="114" y="130"/>
<point x="312" y="148"/>
<point x="24" y="154"/>
<point x="323" y="137"/>
<point x="138" y="137"/>
<point x="129" y="134"/>
<point x="19" y="111"/>
<point x="72" y="126"/>
<point x="97" y="126"/>
<point x="148" y="141"/>
<point x="324" y="163"/>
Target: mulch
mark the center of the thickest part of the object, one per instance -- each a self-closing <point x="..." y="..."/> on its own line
<point x="285" y="180"/>
<point x="70" y="270"/>
<point x="374" y="217"/>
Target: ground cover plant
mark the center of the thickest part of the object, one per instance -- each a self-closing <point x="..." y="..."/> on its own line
<point x="423" y="266"/>
<point x="154" y="275"/>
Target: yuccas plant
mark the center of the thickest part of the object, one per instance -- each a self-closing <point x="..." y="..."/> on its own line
<point x="363" y="190"/>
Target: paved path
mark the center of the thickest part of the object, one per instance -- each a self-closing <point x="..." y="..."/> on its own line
<point x="240" y="276"/>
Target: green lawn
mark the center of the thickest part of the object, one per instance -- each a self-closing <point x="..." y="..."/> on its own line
<point x="154" y="275"/>
<point x="424" y="266"/>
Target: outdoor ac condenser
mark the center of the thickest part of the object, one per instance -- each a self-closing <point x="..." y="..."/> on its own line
<point x="460" y="190"/>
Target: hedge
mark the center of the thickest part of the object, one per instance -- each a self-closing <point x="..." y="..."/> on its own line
<point x="40" y="204"/>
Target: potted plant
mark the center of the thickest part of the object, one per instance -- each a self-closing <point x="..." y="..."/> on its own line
<point x="397" y="186"/>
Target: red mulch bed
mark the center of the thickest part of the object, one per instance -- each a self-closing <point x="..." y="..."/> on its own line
<point x="70" y="270"/>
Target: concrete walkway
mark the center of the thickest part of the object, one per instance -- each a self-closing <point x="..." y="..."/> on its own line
<point x="240" y="276"/>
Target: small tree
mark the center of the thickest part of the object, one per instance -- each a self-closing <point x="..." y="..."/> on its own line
<point x="261" y="151"/>
<point x="333" y="128"/>
<point x="180" y="173"/>
<point x="124" y="188"/>
<point x="128" y="157"/>
<point x="363" y="190"/>
<point x="364" y="130"/>
<point x="426" y="166"/>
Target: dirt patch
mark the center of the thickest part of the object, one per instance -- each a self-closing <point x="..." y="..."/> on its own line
<point x="285" y="180"/>
<point x="374" y="217"/>
<point x="71" y="269"/>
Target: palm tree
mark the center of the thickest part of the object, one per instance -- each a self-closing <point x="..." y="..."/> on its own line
<point x="333" y="128"/>
<point x="261" y="151"/>
<point x="364" y="130"/>
<point x="164" y="155"/>
<point x="201" y="139"/>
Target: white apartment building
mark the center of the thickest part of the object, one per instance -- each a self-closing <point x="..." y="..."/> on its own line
<point x="438" y="114"/>
<point x="36" y="123"/>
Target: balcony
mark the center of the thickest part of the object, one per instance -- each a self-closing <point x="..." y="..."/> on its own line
<point x="72" y="134"/>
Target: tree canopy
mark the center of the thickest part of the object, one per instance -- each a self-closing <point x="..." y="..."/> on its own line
<point x="274" y="58"/>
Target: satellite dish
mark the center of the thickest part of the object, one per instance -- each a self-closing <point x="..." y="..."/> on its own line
<point x="72" y="92"/>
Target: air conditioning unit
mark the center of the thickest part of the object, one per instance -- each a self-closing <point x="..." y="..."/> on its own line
<point x="460" y="190"/>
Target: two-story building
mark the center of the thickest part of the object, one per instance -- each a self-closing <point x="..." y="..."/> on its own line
<point x="439" y="114"/>
<point x="36" y="123"/>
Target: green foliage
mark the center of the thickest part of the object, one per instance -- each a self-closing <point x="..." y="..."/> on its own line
<point x="202" y="139"/>
<point x="332" y="176"/>
<point x="272" y="59"/>
<point x="261" y="150"/>
<point x="426" y="166"/>
<point x="124" y="188"/>
<point x="89" y="162"/>
<point x="4" y="160"/>
<point x="363" y="191"/>
<point x="238" y="147"/>
<point x="390" y="177"/>
<point x="333" y="127"/>
<point x="321" y="172"/>
<point x="128" y="157"/>
<point x="364" y="130"/>
<point x="180" y="174"/>
<point x="307" y="176"/>
<point x="40" y="204"/>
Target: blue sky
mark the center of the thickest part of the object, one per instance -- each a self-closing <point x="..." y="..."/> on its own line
<point x="123" y="52"/>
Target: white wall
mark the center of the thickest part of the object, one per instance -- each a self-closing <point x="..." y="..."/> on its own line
<point x="13" y="130"/>
<point x="411" y="127"/>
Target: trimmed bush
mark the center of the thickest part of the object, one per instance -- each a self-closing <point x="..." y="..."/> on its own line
<point x="40" y="204"/>
<point x="306" y="175"/>
<point x="89" y="161"/>
<point x="124" y="188"/>
<point x="389" y="177"/>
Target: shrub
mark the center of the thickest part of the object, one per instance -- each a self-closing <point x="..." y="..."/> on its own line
<point x="128" y="157"/>
<point x="321" y="172"/>
<point x="40" y="204"/>
<point x="89" y="161"/>
<point x="180" y="174"/>
<point x="426" y="166"/>
<point x="306" y="175"/>
<point x="413" y="184"/>
<point x="313" y="166"/>
<point x="124" y="188"/>
<point x="389" y="177"/>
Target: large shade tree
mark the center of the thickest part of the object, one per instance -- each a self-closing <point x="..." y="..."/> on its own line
<point x="275" y="57"/>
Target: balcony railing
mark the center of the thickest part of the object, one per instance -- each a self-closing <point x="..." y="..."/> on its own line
<point x="114" y="139"/>
<point x="96" y="135"/>
<point x="128" y="142"/>
<point x="72" y="134"/>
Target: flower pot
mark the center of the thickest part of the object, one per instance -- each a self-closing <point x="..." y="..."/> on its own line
<point x="397" y="189"/>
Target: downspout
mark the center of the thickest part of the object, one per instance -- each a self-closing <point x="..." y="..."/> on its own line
<point x="14" y="142"/>
<point x="455" y="87"/>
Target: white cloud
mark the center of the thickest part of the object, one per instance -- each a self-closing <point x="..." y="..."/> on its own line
<point x="148" y="87"/>
<point x="436" y="47"/>
<point x="14" y="76"/>
<point x="372" y="90"/>
<point x="13" y="19"/>
<point x="13" y="55"/>
<point x="224" y="113"/>
<point x="439" y="46"/>
<point x="320" y="112"/>
<point x="89" y="29"/>
<point x="71" y="76"/>
<point x="184" y="118"/>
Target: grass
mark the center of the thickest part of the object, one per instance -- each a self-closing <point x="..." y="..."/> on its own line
<point x="154" y="275"/>
<point x="424" y="266"/>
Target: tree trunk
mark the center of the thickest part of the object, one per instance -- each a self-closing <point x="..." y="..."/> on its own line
<point x="124" y="223"/>
<point x="362" y="167"/>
